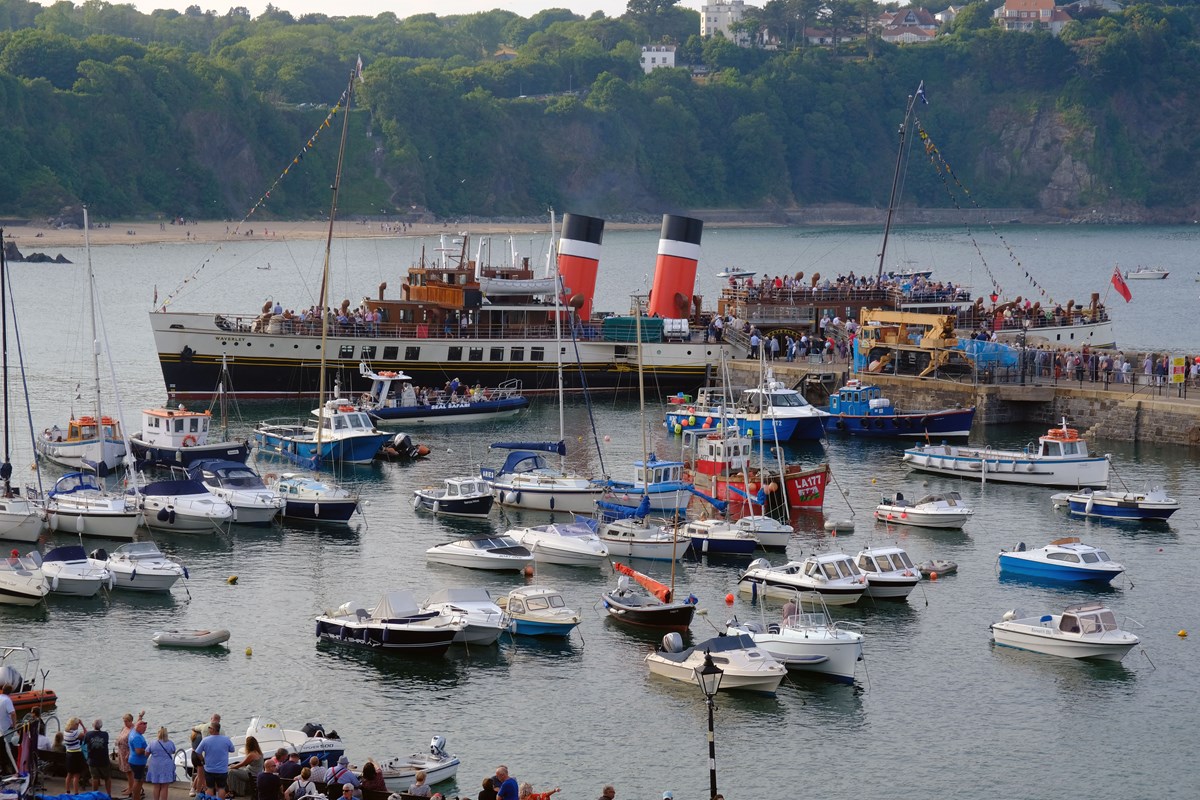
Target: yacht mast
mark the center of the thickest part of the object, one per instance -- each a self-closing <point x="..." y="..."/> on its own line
<point x="887" y="225"/>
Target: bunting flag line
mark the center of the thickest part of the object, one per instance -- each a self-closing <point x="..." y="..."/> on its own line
<point x="262" y="200"/>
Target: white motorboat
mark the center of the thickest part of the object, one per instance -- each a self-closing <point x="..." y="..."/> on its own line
<point x="717" y="537"/>
<point x="538" y="611"/>
<point x="572" y="544"/>
<point x="1119" y="506"/>
<point x="71" y="572"/>
<point x="891" y="574"/>
<point x="736" y="272"/>
<point x="22" y="582"/>
<point x="1144" y="273"/>
<point x="400" y="773"/>
<point x="808" y="642"/>
<point x="183" y="506"/>
<point x="1059" y="459"/>
<point x="142" y="567"/>
<point x="746" y="666"/>
<point x="196" y="639"/>
<point x="830" y="578"/>
<point x="484" y="619"/>
<point x="313" y="498"/>
<point x="311" y="740"/>
<point x="1066" y="559"/>
<point x="483" y="552"/>
<point x="1088" y="630"/>
<point x="396" y="624"/>
<point x="768" y="532"/>
<point x="945" y="510"/>
<point x="79" y="504"/>
<point x="252" y="501"/>
<point x="463" y="496"/>
<point x="21" y="520"/>
<point x="641" y="538"/>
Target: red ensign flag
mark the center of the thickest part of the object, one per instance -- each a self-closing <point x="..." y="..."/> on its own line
<point x="1119" y="284"/>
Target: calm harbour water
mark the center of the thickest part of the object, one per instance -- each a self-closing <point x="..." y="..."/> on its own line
<point x="935" y="704"/>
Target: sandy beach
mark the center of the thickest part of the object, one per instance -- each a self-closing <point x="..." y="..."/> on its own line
<point x="35" y="238"/>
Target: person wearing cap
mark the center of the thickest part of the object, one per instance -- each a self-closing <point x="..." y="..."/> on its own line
<point x="342" y="774"/>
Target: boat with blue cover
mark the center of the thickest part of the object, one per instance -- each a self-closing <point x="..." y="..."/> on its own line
<point x="527" y="480"/>
<point x="661" y="483"/>
<point x="1066" y="559"/>
<point x="859" y="409"/>
<point x="1130" y="506"/>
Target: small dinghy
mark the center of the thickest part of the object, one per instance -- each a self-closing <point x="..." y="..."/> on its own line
<point x="190" y="638"/>
<point x="400" y="773"/>
<point x="939" y="567"/>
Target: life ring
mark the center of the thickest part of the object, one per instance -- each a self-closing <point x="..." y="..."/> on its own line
<point x="345" y="408"/>
<point x="190" y="440"/>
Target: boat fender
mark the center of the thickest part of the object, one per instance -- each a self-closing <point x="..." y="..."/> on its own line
<point x="112" y="581"/>
<point x="551" y="503"/>
<point x="179" y="456"/>
<point x="1090" y="503"/>
<point x="511" y="498"/>
<point x="840" y="424"/>
<point x="186" y="577"/>
<point x="316" y="509"/>
<point x="437" y="505"/>
<point x="54" y="583"/>
<point x="163" y="515"/>
<point x="171" y="516"/>
<point x="79" y="524"/>
<point x="416" y="501"/>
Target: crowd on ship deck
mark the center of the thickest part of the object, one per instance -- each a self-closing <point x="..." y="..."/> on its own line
<point x="789" y="288"/>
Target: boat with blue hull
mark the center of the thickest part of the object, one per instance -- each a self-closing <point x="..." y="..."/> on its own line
<point x="1066" y="559"/>
<point x="1154" y="505"/>
<point x="345" y="436"/>
<point x="859" y="409"/>
<point x="771" y="411"/>
<point x="660" y="483"/>
<point x="386" y="404"/>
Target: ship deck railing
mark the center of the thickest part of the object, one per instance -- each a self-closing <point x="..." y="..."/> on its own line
<point x="587" y="332"/>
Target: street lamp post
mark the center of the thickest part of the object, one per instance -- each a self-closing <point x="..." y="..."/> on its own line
<point x="1024" y="337"/>
<point x="709" y="677"/>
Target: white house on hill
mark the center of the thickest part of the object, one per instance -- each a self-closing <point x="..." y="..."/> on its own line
<point x="722" y="16"/>
<point x="657" y="56"/>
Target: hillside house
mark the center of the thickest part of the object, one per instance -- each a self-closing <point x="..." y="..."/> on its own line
<point x="657" y="56"/>
<point x="1032" y="15"/>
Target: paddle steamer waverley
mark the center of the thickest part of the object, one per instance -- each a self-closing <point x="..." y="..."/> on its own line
<point x="455" y="319"/>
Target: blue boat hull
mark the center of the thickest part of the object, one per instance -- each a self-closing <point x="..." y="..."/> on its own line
<point x="329" y="511"/>
<point x="452" y="412"/>
<point x="1122" y="511"/>
<point x="951" y="423"/>
<point x="358" y="450"/>
<point x="525" y="627"/>
<point x="1053" y="572"/>
<point x="802" y="429"/>
<point x="702" y="544"/>
<point x="149" y="455"/>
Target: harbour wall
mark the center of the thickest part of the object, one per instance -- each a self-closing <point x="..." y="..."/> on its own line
<point x="1116" y="412"/>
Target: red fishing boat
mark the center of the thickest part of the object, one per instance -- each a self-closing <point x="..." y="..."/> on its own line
<point x="719" y="465"/>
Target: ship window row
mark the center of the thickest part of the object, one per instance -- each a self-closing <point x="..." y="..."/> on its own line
<point x="515" y="354"/>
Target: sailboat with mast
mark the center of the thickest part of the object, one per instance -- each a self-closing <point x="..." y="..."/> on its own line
<point x="79" y="503"/>
<point x="526" y="480"/>
<point x="20" y="517"/>
<point x="342" y="434"/>
<point x="94" y="441"/>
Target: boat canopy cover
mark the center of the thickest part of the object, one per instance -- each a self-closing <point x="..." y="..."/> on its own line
<point x="522" y="461"/>
<point x="233" y="474"/>
<point x="460" y="594"/>
<point x="168" y="488"/>
<point x="75" y="482"/>
<point x="613" y="511"/>
<point x="717" y="644"/>
<point x="68" y="552"/>
<point x="722" y="505"/>
<point x="138" y="550"/>
<point x="559" y="447"/>
<point x="396" y="604"/>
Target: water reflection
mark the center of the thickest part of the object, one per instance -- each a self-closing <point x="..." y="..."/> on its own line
<point x="410" y="671"/>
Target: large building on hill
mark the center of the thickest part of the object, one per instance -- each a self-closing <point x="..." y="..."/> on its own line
<point x="722" y="16"/>
<point x="1032" y="15"/>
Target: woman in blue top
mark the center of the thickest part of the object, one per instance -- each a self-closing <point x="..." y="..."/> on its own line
<point x="138" y="758"/>
<point x="160" y="770"/>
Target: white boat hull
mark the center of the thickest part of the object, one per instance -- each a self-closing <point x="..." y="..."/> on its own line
<point x="21" y="526"/>
<point x="399" y="774"/>
<point x="1111" y="646"/>
<point x="889" y="588"/>
<point x="543" y="496"/>
<point x="548" y="553"/>
<point x="821" y="651"/>
<point x="920" y="519"/>
<point x="1008" y="466"/>
<point x="73" y="586"/>
<point x="645" y="550"/>
<point x="1094" y="334"/>
<point x="765" y="680"/>
<point x="117" y="525"/>
<point x="144" y="580"/>
<point x="190" y="638"/>
<point x="492" y="562"/>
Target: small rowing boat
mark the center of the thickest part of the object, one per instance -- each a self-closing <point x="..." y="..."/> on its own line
<point x="190" y="638"/>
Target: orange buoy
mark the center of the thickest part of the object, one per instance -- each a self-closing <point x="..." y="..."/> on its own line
<point x="729" y="599"/>
<point x="933" y="576"/>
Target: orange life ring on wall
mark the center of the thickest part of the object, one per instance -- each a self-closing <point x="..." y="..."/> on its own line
<point x="190" y="440"/>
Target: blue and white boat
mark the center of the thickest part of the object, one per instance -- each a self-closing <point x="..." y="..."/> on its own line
<point x="718" y="537"/>
<point x="539" y="611"/>
<point x="527" y="481"/>
<point x="346" y="436"/>
<point x="1060" y="458"/>
<point x="1065" y="559"/>
<point x="1137" y="506"/>
<point x="660" y="483"/>
<point x="771" y="410"/>
<point x="858" y="409"/>
<point x="386" y="404"/>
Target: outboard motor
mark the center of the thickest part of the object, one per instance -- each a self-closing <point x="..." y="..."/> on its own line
<point x="437" y="747"/>
<point x="100" y="554"/>
<point x="759" y="563"/>
<point x="672" y="642"/>
<point x="10" y="679"/>
<point x="313" y="729"/>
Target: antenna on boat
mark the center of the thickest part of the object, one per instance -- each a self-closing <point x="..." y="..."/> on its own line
<point x="552" y="264"/>
<point x="891" y="212"/>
